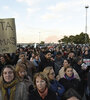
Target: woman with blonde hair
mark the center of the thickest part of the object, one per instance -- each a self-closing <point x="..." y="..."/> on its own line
<point x="21" y="73"/>
<point x="42" y="90"/>
<point x="54" y="84"/>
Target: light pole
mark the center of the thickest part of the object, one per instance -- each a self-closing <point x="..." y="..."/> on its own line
<point x="86" y="7"/>
<point x="39" y="37"/>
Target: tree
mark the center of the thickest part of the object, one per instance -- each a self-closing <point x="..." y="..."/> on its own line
<point x="42" y="42"/>
<point x="89" y="41"/>
<point x="80" y="39"/>
<point x="59" y="41"/>
<point x="77" y="39"/>
<point x="65" y="39"/>
<point x="71" y="38"/>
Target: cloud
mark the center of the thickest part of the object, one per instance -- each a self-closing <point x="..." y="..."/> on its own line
<point x="5" y="7"/>
<point x="15" y="15"/>
<point x="61" y="9"/>
<point x="32" y="10"/>
<point x="86" y="2"/>
<point x="49" y="16"/>
<point x="57" y="7"/>
<point x="64" y="6"/>
<point x="29" y="2"/>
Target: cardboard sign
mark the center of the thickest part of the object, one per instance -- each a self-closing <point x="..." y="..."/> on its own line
<point x="7" y="36"/>
<point x="87" y="61"/>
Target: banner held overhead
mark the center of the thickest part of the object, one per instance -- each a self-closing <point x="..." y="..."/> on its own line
<point x="7" y="35"/>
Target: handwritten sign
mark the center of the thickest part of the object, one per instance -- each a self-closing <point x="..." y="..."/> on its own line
<point x="7" y="35"/>
<point x="87" y="61"/>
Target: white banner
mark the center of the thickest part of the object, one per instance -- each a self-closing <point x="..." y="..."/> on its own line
<point x="87" y="61"/>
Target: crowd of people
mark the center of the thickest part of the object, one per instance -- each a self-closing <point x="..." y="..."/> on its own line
<point x="58" y="73"/>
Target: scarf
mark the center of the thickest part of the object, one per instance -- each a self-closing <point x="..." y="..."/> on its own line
<point x="8" y="90"/>
<point x="68" y="78"/>
<point x="43" y="94"/>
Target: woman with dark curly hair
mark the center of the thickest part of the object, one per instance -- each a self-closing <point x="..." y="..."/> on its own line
<point x="10" y="87"/>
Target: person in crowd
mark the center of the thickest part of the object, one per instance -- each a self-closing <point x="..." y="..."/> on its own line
<point x="10" y="87"/>
<point x="71" y="58"/>
<point x="69" y="81"/>
<point x="81" y="69"/>
<point x="3" y="62"/>
<point x="11" y="58"/>
<point x="78" y="67"/>
<point x="87" y="48"/>
<point x="61" y="73"/>
<point x="21" y="73"/>
<point x="58" y="62"/>
<point x="46" y="61"/>
<point x="54" y="84"/>
<point x="36" y="61"/>
<point x="86" y="60"/>
<point x="14" y="57"/>
<point x="42" y="90"/>
<point x="32" y="56"/>
<point x="65" y="53"/>
<point x="30" y="67"/>
<point x="87" y="89"/>
<point x="8" y="58"/>
<point x="86" y="54"/>
<point x="71" y="94"/>
<point x="21" y="49"/>
<point x="78" y="51"/>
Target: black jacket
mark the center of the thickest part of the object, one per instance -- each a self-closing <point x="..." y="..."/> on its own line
<point x="73" y="83"/>
<point x="50" y="96"/>
<point x="45" y="62"/>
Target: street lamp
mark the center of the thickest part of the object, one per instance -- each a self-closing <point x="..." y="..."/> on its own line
<point x="39" y="37"/>
<point x="86" y="7"/>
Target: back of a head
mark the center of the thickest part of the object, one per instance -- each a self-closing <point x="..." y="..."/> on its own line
<point x="58" y="53"/>
<point x="71" y="93"/>
<point x="47" y="70"/>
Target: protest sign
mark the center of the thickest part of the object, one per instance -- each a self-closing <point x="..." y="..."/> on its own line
<point x="7" y="36"/>
<point x="87" y="61"/>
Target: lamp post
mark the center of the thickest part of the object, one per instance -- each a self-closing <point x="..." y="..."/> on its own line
<point x="86" y="7"/>
<point x="39" y="37"/>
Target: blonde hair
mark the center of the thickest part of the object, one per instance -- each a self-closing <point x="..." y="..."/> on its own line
<point x="47" y="70"/>
<point x="42" y="76"/>
<point x="18" y="67"/>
